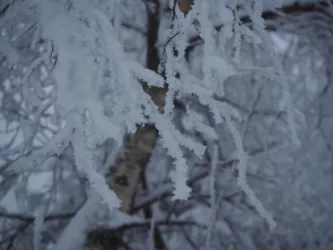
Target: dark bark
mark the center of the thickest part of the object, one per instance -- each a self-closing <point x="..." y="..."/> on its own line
<point x="4" y="9"/>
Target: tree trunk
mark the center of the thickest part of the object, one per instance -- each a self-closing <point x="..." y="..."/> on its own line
<point x="124" y="177"/>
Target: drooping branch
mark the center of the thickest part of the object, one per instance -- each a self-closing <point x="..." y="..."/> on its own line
<point x="125" y="175"/>
<point x="138" y="147"/>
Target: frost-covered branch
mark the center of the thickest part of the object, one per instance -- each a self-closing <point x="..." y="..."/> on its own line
<point x="163" y="88"/>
